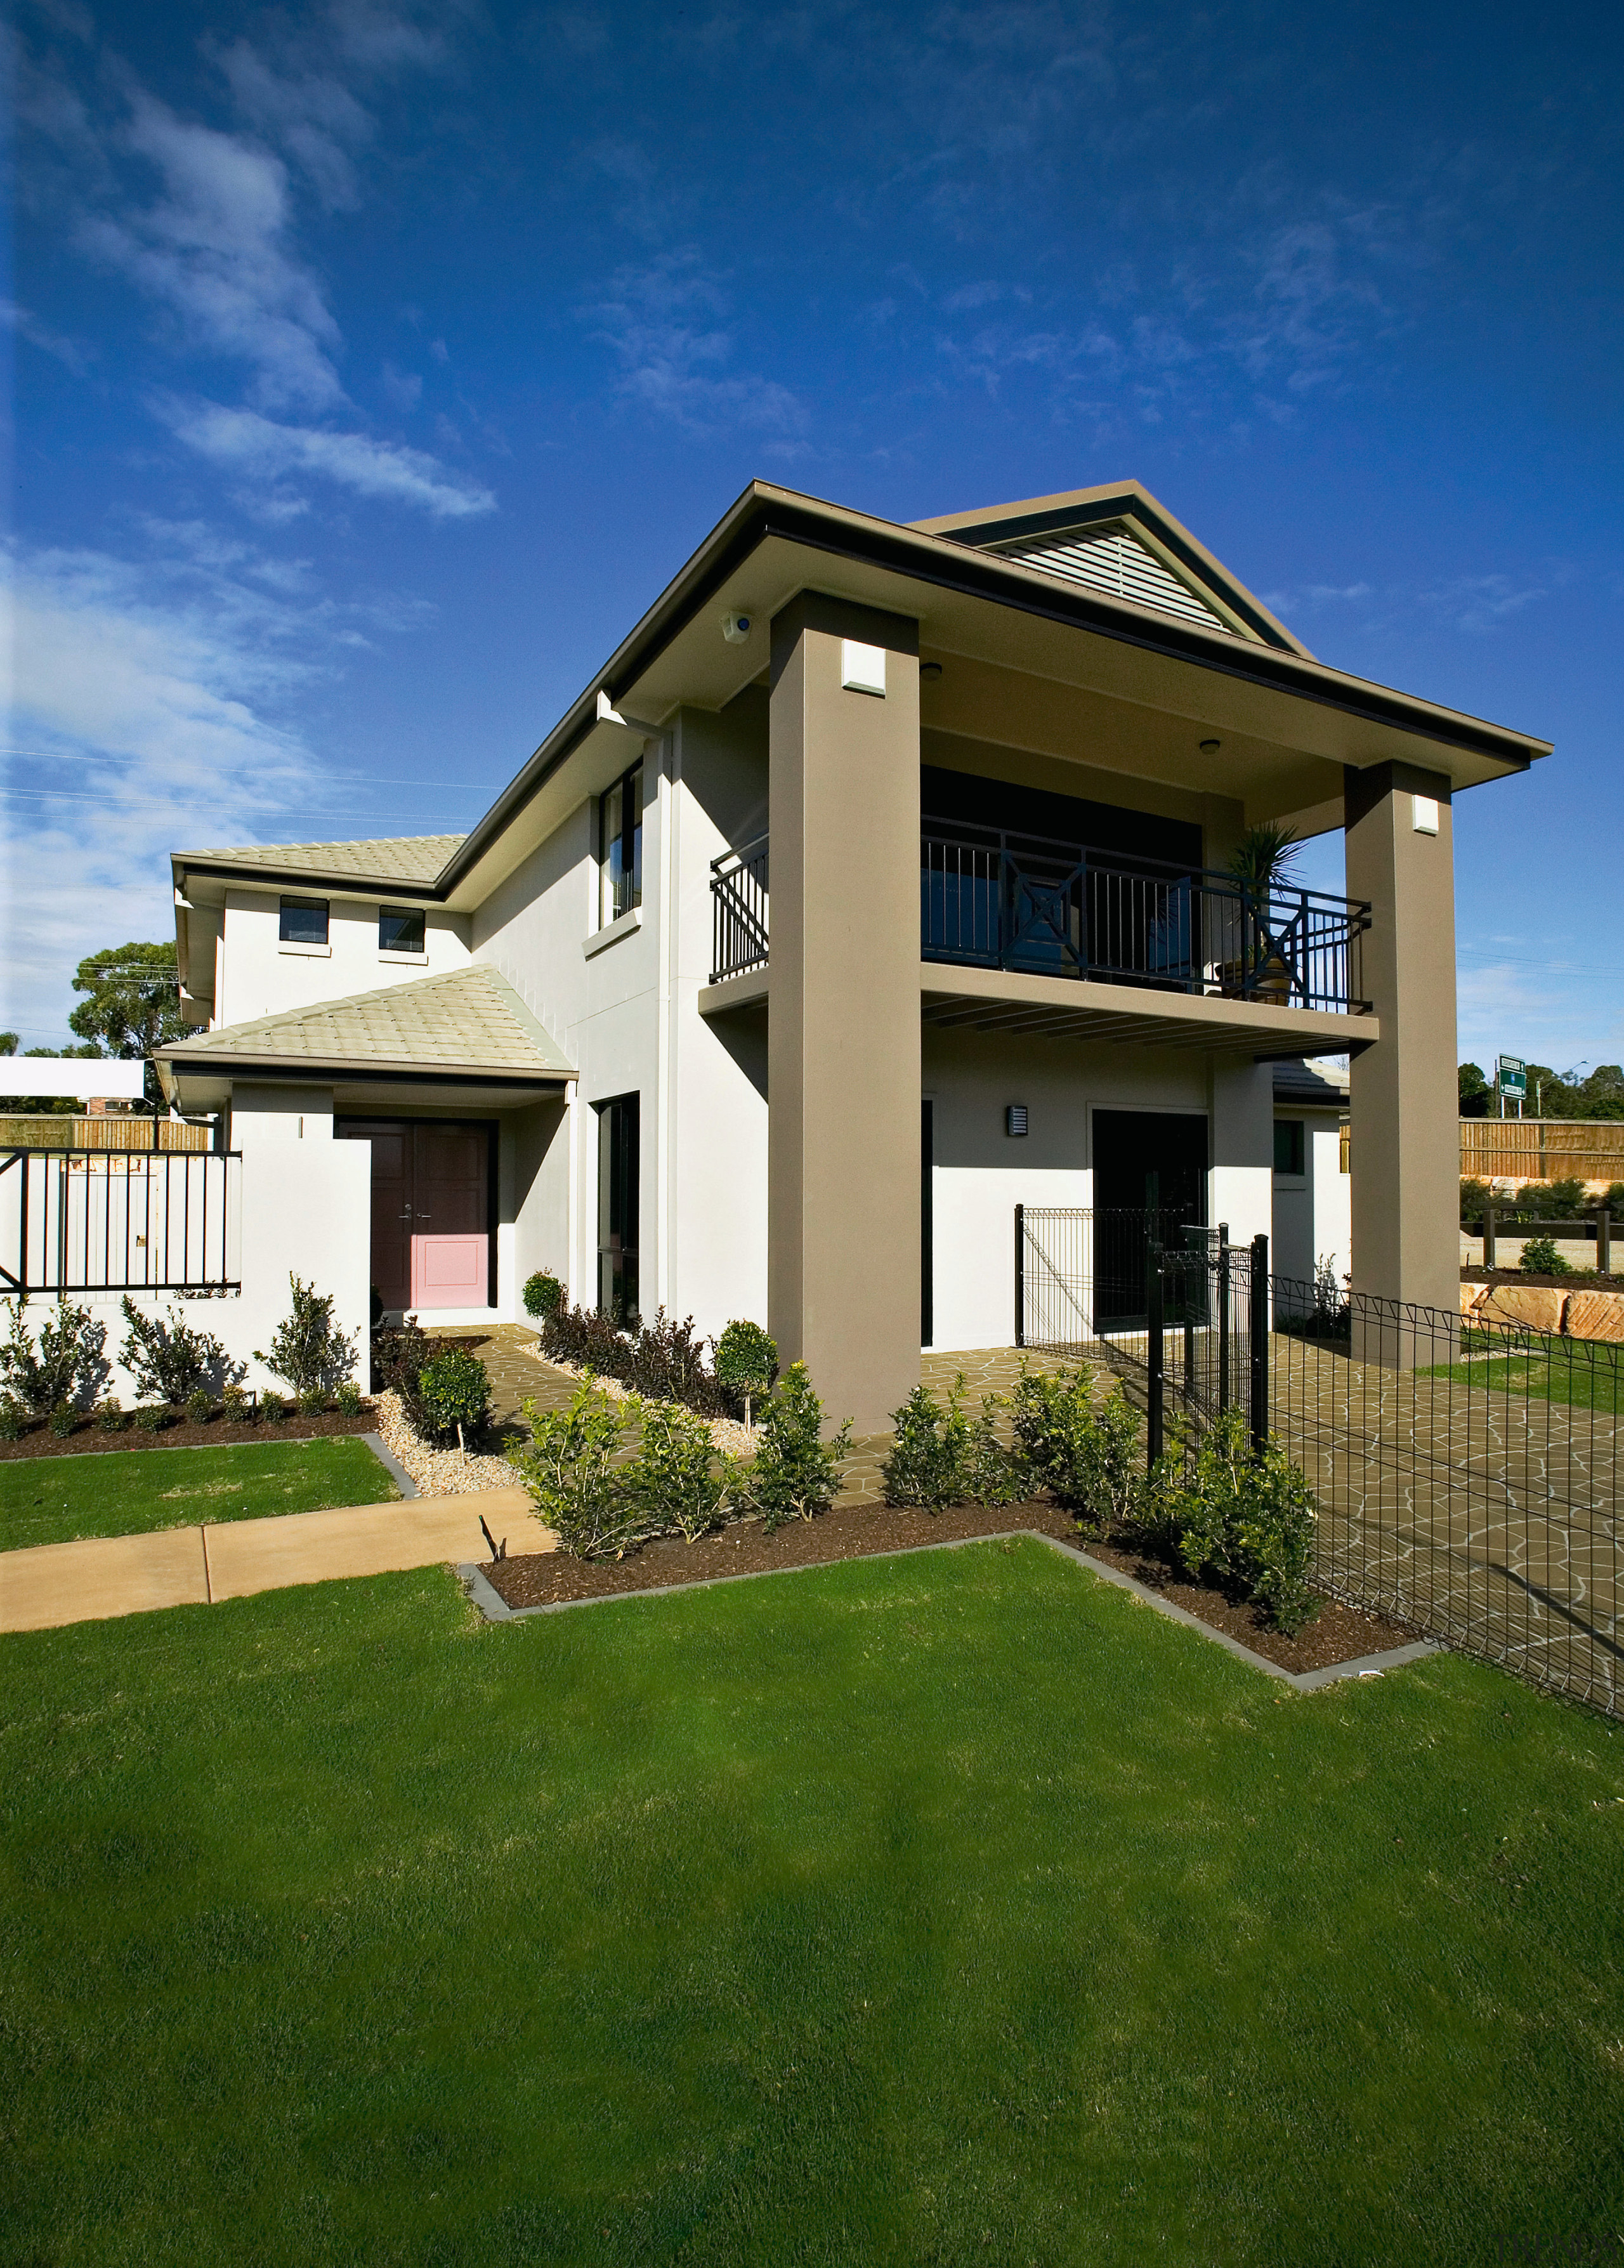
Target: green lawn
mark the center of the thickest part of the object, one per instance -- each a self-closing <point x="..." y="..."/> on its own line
<point x="947" y="1908"/>
<point x="52" y="1499"/>
<point x="1593" y="1380"/>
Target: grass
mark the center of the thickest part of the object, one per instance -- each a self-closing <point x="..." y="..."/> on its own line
<point x="53" y="1499"/>
<point x="942" y="1907"/>
<point x="1592" y="1381"/>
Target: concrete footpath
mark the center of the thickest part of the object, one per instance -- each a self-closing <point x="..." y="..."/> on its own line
<point x="51" y="1584"/>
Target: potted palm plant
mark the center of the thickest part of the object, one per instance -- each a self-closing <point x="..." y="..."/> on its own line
<point x="1263" y="861"/>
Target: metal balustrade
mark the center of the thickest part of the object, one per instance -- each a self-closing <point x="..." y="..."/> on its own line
<point x="994" y="899"/>
<point x="113" y="1221"/>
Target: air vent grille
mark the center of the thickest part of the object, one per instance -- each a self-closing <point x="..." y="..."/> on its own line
<point x="1111" y="559"/>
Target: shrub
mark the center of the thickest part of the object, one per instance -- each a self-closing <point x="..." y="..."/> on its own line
<point x="543" y="1293"/>
<point x="152" y="1416"/>
<point x="167" y="1360"/>
<point x="347" y="1398"/>
<point x="399" y="1360"/>
<point x="63" y="1418"/>
<point x="273" y="1408"/>
<point x="110" y="1415"/>
<point x="1246" y="1521"/>
<point x="13" y="1419"/>
<point x="677" y="1482"/>
<point x="1540" y="1257"/>
<point x="67" y="1362"/>
<point x="1612" y="1199"/>
<point x="455" y="1392"/>
<point x="746" y="1362"/>
<point x="235" y="1407"/>
<point x="568" y="1466"/>
<point x="1563" y="1200"/>
<point x="940" y="1457"/>
<point x="306" y="1349"/>
<point x="200" y="1407"/>
<point x="664" y="1358"/>
<point x="795" y="1474"/>
<point x="1474" y="1196"/>
<point x="310" y="1401"/>
<point x="1085" y="1457"/>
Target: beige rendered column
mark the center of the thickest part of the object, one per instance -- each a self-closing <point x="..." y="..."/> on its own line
<point x="843" y="1055"/>
<point x="1404" y="1144"/>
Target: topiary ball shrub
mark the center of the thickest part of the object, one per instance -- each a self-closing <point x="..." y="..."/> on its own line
<point x="455" y="1393"/>
<point x="347" y="1399"/>
<point x="747" y="1361"/>
<point x="273" y="1408"/>
<point x="543" y="1294"/>
<point x="110" y="1415"/>
<point x="63" y="1420"/>
<point x="199" y="1407"/>
<point x="152" y="1416"/>
<point x="235" y="1406"/>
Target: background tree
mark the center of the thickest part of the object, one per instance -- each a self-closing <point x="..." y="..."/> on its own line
<point x="134" y="999"/>
<point x="1474" y="1092"/>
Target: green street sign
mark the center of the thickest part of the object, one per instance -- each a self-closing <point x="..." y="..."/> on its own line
<point x="1513" y="1075"/>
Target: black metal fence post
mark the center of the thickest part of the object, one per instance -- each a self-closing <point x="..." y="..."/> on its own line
<point x="1020" y="1275"/>
<point x="1223" y="1315"/>
<point x="1154" y="1370"/>
<point x="1488" y="1236"/>
<point x="1258" y="1319"/>
<point x="1603" y="1242"/>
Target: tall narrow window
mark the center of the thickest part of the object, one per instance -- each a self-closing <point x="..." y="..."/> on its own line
<point x="617" y="1209"/>
<point x="619" y="845"/>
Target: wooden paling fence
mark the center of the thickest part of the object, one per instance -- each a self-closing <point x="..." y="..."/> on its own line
<point x="1542" y="1148"/>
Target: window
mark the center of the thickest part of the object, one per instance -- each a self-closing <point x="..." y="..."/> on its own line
<point x="1289" y="1145"/>
<point x="303" y="921"/>
<point x="619" y="845"/>
<point x="399" y="929"/>
<point x="617" y="1209"/>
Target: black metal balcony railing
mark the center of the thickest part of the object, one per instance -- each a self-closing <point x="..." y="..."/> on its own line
<point x="992" y="899"/>
<point x="119" y="1220"/>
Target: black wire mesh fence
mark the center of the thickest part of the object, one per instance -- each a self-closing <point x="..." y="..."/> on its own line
<point x="1466" y="1472"/>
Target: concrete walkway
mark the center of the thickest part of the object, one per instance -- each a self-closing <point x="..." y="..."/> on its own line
<point x="56" y="1583"/>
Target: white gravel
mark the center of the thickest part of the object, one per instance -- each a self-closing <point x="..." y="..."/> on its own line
<point x="437" y="1472"/>
<point x="731" y="1436"/>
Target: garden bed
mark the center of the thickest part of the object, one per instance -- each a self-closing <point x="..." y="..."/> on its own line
<point x="1574" y="1279"/>
<point x="855" y="1531"/>
<point x="88" y="1435"/>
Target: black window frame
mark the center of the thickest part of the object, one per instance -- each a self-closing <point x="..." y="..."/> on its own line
<point x="1296" y="1146"/>
<point x="292" y="905"/>
<point x="402" y="914"/>
<point x="620" y="1119"/>
<point x="620" y="830"/>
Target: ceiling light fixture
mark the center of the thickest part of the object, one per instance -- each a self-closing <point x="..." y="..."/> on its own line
<point x="930" y="670"/>
<point x="1211" y="747"/>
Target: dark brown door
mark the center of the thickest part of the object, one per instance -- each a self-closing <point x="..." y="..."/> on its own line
<point x="391" y="1211"/>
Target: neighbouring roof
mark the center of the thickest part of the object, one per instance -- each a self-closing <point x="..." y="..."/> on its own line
<point x="1319" y="1086"/>
<point x="470" y="1020"/>
<point x="391" y="858"/>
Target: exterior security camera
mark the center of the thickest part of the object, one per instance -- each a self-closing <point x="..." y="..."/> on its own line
<point x="735" y="628"/>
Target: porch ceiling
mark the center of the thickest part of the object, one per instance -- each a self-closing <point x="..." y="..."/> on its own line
<point x="1123" y="1015"/>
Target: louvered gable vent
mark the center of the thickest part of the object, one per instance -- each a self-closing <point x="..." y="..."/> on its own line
<point x="1114" y="560"/>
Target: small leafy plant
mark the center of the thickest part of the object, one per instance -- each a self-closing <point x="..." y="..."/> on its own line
<point x="63" y="1418"/>
<point x="569" y="1467"/>
<point x="311" y="1401"/>
<point x="199" y="1406"/>
<point x="677" y="1481"/>
<point x="273" y="1408"/>
<point x="543" y="1294"/>
<point x="13" y="1419"/>
<point x="152" y="1416"/>
<point x="455" y="1392"/>
<point x="1086" y="1456"/>
<point x="307" y="1350"/>
<point x="747" y="1361"/>
<point x="235" y="1407"/>
<point x="797" y="1474"/>
<point x="168" y="1360"/>
<point x="940" y="1457"/>
<point x="1246" y="1521"/>
<point x="1540" y="1257"/>
<point x="66" y="1364"/>
<point x="347" y="1400"/>
<point x="110" y="1415"/>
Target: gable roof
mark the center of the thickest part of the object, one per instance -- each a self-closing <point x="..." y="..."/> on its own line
<point x="1121" y="540"/>
<point x="468" y="1020"/>
<point x="387" y="859"/>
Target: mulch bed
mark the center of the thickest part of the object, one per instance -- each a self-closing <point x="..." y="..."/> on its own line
<point x="854" y="1531"/>
<point x="88" y="1436"/>
<point x="1583" y="1279"/>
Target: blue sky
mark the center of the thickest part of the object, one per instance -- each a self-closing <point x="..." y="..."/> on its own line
<point x="375" y="366"/>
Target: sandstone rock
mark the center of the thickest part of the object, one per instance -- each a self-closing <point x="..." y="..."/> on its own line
<point x="1472" y="1296"/>
<point x="1536" y="1306"/>
<point x="1595" y="1315"/>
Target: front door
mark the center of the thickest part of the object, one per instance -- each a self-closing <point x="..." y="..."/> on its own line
<point x="430" y="1224"/>
<point x="1149" y="1180"/>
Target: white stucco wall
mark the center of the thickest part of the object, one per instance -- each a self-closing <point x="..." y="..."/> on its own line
<point x="258" y="976"/>
<point x="1313" y="1210"/>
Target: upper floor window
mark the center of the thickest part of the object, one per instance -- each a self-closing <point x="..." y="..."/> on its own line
<point x="619" y="845"/>
<point x="303" y="921"/>
<point x="399" y="929"/>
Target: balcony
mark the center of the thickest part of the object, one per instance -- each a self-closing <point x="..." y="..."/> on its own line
<point x="994" y="900"/>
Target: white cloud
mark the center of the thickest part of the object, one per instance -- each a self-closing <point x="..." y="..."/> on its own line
<point x="315" y="118"/>
<point x="28" y="325"/>
<point x="259" y="448"/>
<point x="212" y="248"/>
<point x="660" y="319"/>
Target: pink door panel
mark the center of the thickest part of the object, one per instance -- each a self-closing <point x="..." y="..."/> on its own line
<point x="449" y="1271"/>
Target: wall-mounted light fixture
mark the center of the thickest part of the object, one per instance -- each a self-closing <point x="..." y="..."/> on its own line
<point x="1014" y="1118"/>
<point x="930" y="671"/>
<point x="1211" y="747"/>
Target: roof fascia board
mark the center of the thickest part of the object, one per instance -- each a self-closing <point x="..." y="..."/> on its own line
<point x="218" y="1063"/>
<point x="944" y="563"/>
<point x="363" y="887"/>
